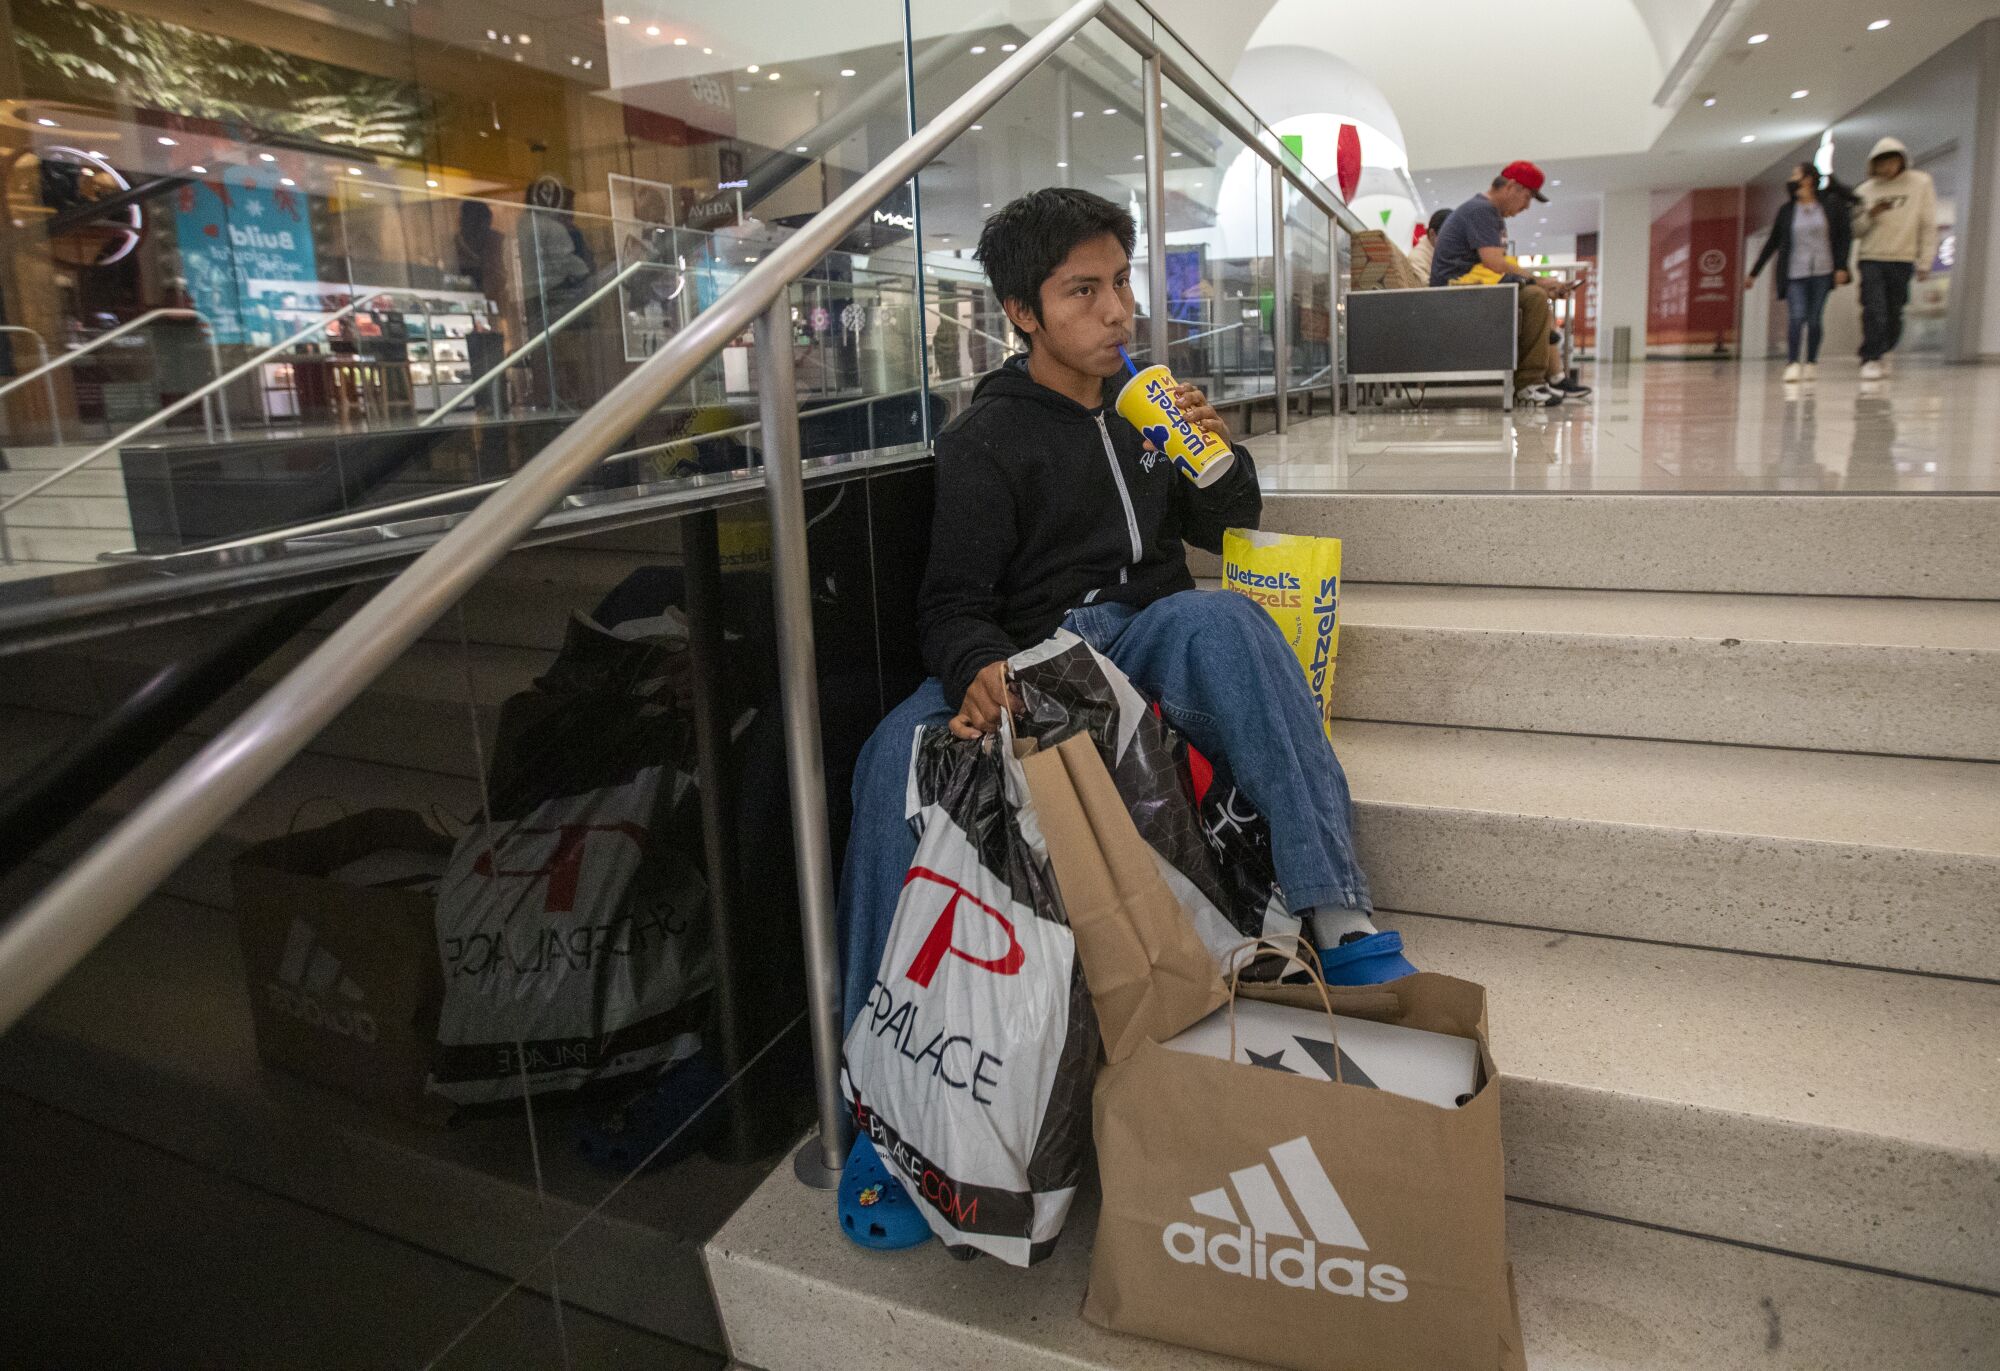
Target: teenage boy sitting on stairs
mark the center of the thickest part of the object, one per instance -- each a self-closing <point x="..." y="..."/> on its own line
<point x="1052" y="512"/>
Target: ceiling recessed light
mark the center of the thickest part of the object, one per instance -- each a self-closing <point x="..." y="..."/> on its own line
<point x="802" y="148"/>
<point x="847" y="71"/>
<point x="680" y="42"/>
<point x="1138" y="156"/>
<point x="944" y="237"/>
<point x="508" y="39"/>
<point x="743" y="88"/>
<point x="753" y="69"/>
<point x="652" y="30"/>
<point x="1062" y="164"/>
<point x="978" y="49"/>
<point x="368" y="195"/>
<point x="623" y="19"/>
<point x="1555" y="183"/>
<point x="1708" y="102"/>
<point x="47" y="122"/>
<point x="708" y="52"/>
<point x="1111" y="111"/>
<point x="431" y="181"/>
<point x="1076" y="114"/>
<point x="771" y="76"/>
<point x="1800" y="94"/>
<point x="987" y="205"/>
<point x="167" y="142"/>
<point x="286" y="181"/>
<point x="1173" y="154"/>
<point x="265" y="157"/>
<point x="1748" y="138"/>
<point x="1878" y="26"/>
<point x="977" y="127"/>
<point x="1757" y="38"/>
<point x="199" y="171"/>
<point x="526" y="39"/>
<point x="1009" y="47"/>
<point x="491" y="35"/>
<point x="750" y="259"/>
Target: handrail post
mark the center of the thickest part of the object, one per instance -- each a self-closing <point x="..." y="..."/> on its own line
<point x="1281" y="301"/>
<point x="1156" y="210"/>
<point x="819" y="1162"/>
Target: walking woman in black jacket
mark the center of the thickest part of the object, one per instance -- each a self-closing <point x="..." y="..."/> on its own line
<point x="1811" y="239"/>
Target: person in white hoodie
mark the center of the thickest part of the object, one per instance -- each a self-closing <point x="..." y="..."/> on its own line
<point x="1895" y="238"/>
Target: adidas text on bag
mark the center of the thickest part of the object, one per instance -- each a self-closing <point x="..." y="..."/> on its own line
<point x="1270" y="1246"/>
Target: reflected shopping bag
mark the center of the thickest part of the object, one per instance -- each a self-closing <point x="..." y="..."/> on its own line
<point x="1296" y="577"/>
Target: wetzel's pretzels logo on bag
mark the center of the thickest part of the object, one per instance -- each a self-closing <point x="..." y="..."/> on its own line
<point x="1296" y="578"/>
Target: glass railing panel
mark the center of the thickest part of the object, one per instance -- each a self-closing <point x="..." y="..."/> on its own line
<point x="1309" y="275"/>
<point x="1074" y="121"/>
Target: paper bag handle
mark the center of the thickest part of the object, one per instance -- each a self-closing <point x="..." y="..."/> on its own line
<point x="1295" y="957"/>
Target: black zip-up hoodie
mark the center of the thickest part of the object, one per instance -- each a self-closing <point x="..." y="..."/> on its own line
<point x="1043" y="505"/>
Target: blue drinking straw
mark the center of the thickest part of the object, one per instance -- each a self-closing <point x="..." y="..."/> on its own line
<point x="1130" y="369"/>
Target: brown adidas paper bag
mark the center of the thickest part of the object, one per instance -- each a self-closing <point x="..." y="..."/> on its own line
<point x="1150" y="975"/>
<point x="1324" y="1227"/>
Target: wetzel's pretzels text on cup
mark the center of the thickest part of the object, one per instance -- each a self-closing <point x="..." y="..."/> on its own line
<point x="1147" y="401"/>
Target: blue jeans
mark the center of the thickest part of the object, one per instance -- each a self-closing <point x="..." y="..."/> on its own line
<point x="1805" y="308"/>
<point x="1224" y="676"/>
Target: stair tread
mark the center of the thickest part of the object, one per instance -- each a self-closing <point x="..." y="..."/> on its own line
<point x="1595" y="1295"/>
<point x="1867" y="800"/>
<point x="1950" y="624"/>
<point x="1800" y="1043"/>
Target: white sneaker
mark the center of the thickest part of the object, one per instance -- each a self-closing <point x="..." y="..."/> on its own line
<point x="1537" y="395"/>
<point x="1871" y="371"/>
<point x="1793" y="372"/>
<point x="1812" y="371"/>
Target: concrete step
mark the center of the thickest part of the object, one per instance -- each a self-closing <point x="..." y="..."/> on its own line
<point x="104" y="479"/>
<point x="1904" y="677"/>
<point x="1923" y="546"/>
<point x="1595" y="1295"/>
<point x="1874" y="861"/>
<point x="1827" y="1111"/>
<point x="73" y="510"/>
<point x="70" y="546"/>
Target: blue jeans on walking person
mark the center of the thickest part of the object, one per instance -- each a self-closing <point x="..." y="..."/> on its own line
<point x="1224" y="676"/>
<point x="1805" y="310"/>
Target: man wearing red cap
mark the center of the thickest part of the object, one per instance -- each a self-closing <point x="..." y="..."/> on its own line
<point x="1472" y="251"/>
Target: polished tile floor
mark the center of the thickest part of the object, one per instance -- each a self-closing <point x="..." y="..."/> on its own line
<point x="1668" y="427"/>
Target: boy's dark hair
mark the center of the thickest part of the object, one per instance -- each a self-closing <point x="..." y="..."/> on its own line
<point x="1027" y="239"/>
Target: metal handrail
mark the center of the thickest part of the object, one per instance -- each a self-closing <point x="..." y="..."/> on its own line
<point x="377" y="514"/>
<point x="47" y="373"/>
<point x="48" y="937"/>
<point x="110" y="335"/>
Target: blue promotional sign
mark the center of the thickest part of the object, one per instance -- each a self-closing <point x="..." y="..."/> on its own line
<point x="235" y="229"/>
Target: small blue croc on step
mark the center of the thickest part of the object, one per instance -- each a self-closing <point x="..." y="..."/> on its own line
<point x="1366" y="959"/>
<point x="875" y="1210"/>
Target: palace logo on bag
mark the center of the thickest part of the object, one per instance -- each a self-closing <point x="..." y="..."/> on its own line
<point x="940" y="940"/>
<point x="1262" y="1241"/>
<point x="563" y="867"/>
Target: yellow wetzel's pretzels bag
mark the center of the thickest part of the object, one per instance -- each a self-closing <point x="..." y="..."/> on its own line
<point x="1296" y="577"/>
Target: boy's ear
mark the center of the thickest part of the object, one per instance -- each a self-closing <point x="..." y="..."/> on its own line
<point x="1021" y="316"/>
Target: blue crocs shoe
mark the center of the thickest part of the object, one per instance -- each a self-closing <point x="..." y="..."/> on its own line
<point x="661" y="1124"/>
<point x="875" y="1210"/>
<point x="1366" y="959"/>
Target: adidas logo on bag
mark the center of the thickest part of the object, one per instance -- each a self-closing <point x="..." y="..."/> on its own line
<point x="1248" y="1249"/>
<point x="308" y="976"/>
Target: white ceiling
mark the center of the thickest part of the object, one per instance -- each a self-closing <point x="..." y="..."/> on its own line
<point x="1821" y="46"/>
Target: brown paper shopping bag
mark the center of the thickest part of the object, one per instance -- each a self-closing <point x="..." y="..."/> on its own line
<point x="1315" y="1225"/>
<point x="1149" y="973"/>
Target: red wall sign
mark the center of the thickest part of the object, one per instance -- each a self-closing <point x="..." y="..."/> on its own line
<point x="1697" y="268"/>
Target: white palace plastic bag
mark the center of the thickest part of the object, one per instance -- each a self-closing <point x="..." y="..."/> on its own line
<point x="970" y="1067"/>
